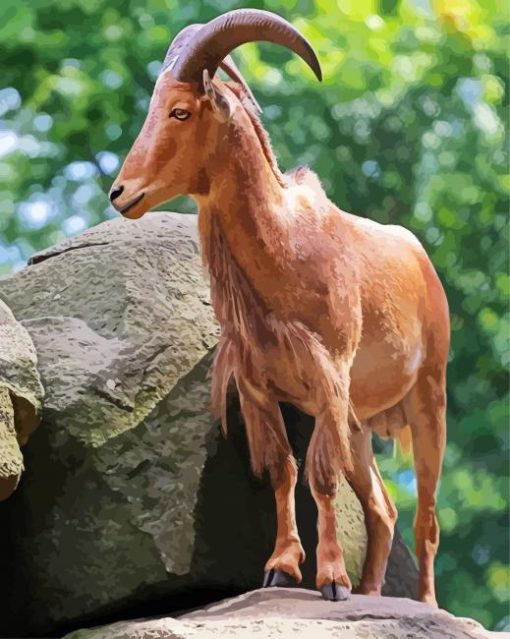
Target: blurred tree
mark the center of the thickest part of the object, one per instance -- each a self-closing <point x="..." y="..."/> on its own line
<point x="408" y="128"/>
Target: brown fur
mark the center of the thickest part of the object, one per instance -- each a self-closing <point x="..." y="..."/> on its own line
<point x="260" y="132"/>
<point x="249" y="328"/>
<point x="342" y="317"/>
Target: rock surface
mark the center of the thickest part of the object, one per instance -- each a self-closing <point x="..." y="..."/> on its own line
<point x="11" y="458"/>
<point x="285" y="612"/>
<point x="132" y="502"/>
<point x="20" y="397"/>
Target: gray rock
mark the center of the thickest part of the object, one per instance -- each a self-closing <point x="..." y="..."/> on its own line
<point x="20" y="397"/>
<point x="137" y="504"/>
<point x="11" y="458"/>
<point x="300" y="613"/>
<point x="119" y="313"/>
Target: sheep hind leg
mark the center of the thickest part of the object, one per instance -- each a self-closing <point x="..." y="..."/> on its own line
<point x="426" y="410"/>
<point x="269" y="447"/>
<point x="380" y="512"/>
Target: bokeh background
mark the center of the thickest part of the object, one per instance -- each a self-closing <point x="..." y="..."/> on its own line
<point x="408" y="127"/>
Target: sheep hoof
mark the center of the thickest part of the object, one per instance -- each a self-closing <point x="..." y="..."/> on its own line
<point x="277" y="578"/>
<point x="335" y="592"/>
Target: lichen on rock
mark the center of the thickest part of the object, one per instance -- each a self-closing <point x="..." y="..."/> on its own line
<point x="20" y="397"/>
<point x="11" y="459"/>
<point x="137" y="502"/>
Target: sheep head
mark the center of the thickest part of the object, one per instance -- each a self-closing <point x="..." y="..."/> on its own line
<point x="190" y="107"/>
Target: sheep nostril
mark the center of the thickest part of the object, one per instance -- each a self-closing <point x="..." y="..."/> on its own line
<point x="114" y="193"/>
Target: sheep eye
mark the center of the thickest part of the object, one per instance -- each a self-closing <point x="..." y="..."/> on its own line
<point x="180" y="114"/>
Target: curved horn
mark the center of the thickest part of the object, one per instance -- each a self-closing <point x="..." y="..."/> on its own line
<point x="228" y="65"/>
<point x="219" y="37"/>
<point x="178" y="43"/>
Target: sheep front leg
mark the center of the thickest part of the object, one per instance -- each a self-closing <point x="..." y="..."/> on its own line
<point x="288" y="552"/>
<point x="323" y="467"/>
<point x="270" y="448"/>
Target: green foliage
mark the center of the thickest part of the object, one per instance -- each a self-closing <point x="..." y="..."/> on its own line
<point x="406" y="128"/>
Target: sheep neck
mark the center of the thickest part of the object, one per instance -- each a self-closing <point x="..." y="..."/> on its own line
<point x="244" y="218"/>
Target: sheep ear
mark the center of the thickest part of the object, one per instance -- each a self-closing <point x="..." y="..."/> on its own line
<point x="219" y="102"/>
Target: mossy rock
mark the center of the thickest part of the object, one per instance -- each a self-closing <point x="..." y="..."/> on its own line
<point x="20" y="397"/>
<point x="11" y="459"/>
<point x="138" y="505"/>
